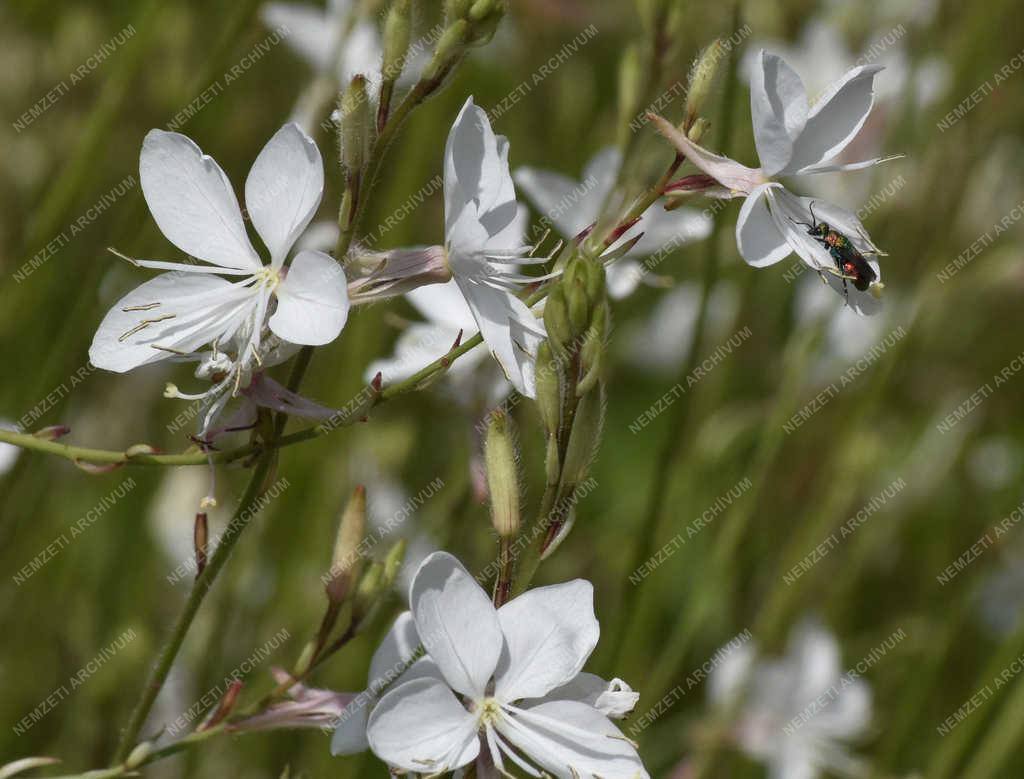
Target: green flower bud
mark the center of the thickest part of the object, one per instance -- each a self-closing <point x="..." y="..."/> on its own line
<point x="370" y="588"/>
<point x="590" y="357"/>
<point x="556" y="318"/>
<point x="457" y="9"/>
<point x="595" y="282"/>
<point x="397" y="34"/>
<point x="356" y="125"/>
<point x="452" y="44"/>
<point x="549" y="398"/>
<point x="502" y="478"/>
<point x="347" y="560"/>
<point x="584" y="438"/>
<point x="579" y="306"/>
<point x="551" y="464"/>
<point x="698" y="129"/>
<point x="393" y="561"/>
<point x="702" y="77"/>
<point x="631" y="85"/>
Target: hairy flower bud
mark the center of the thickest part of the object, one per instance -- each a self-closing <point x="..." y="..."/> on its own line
<point x="347" y="561"/>
<point x="579" y="306"/>
<point x="450" y="46"/>
<point x="549" y="400"/>
<point x="584" y="438"/>
<point x="702" y="77"/>
<point x="356" y="124"/>
<point x="397" y="34"/>
<point x="502" y="478"/>
<point x="556" y="318"/>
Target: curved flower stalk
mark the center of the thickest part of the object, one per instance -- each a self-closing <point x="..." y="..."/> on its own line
<point x="502" y="684"/>
<point x="484" y="236"/>
<point x="794" y="139"/>
<point x="178" y="313"/>
<point x="793" y="713"/>
<point x="574" y="206"/>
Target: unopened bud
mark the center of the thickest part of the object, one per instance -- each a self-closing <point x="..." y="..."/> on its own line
<point x="552" y="465"/>
<point x="583" y="440"/>
<point x="53" y="432"/>
<point x="485" y="15"/>
<point x="370" y="588"/>
<point x="451" y="45"/>
<point x="139" y="754"/>
<point x="579" y="306"/>
<point x="702" y="77"/>
<point x="698" y="129"/>
<point x="591" y="354"/>
<point x="139" y="449"/>
<point x="595" y="283"/>
<point x="397" y="33"/>
<point x="549" y="399"/>
<point x="556" y="318"/>
<point x="347" y="561"/>
<point x="457" y="9"/>
<point x="356" y="124"/>
<point x="631" y="85"/>
<point x="502" y="479"/>
<point x="393" y="562"/>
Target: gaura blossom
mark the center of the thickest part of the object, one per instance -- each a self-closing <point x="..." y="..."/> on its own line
<point x="794" y="138"/>
<point x="484" y="235"/>
<point x="178" y="313"/>
<point x="573" y="206"/>
<point x="505" y="686"/>
<point x="793" y="713"/>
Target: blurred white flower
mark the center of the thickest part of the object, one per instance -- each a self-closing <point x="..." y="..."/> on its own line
<point x="508" y="665"/>
<point x="484" y="233"/>
<point x="794" y="139"/>
<point x="8" y="452"/>
<point x="178" y="313"/>
<point x="573" y="206"/>
<point x="994" y="462"/>
<point x="332" y="40"/>
<point x="793" y="713"/>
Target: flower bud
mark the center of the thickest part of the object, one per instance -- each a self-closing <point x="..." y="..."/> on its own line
<point x="702" y="77"/>
<point x="631" y="85"/>
<point x="397" y="33"/>
<point x="549" y="398"/>
<point x="556" y="318"/>
<point x="356" y="125"/>
<point x="579" y="306"/>
<point x="584" y="438"/>
<point x="450" y="46"/>
<point x="485" y="16"/>
<point x="393" y="562"/>
<point x="53" y="432"/>
<point x="370" y="588"/>
<point x="502" y="479"/>
<point x="698" y="129"/>
<point x="375" y="276"/>
<point x="456" y="9"/>
<point x="347" y="560"/>
<point x="591" y="353"/>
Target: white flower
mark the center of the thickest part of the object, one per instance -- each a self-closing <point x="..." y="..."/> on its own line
<point x="794" y="139"/>
<point x="319" y="36"/>
<point x="8" y="452"/>
<point x="496" y="691"/>
<point x="178" y="313"/>
<point x="573" y="206"/>
<point x="794" y="712"/>
<point x="484" y="233"/>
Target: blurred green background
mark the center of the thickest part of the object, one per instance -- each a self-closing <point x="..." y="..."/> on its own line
<point x="883" y="425"/>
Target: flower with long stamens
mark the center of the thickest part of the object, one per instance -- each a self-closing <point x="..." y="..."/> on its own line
<point x="176" y="314"/>
<point x="573" y="206"/>
<point x="501" y="691"/>
<point x="795" y="139"/>
<point x="484" y="237"/>
<point x="794" y="712"/>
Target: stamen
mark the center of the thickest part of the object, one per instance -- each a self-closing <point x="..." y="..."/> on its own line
<point x="144" y="324"/>
<point x="146" y="307"/>
<point x="124" y="257"/>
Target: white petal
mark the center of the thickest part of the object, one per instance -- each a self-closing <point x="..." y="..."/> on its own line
<point x="192" y="201"/>
<point x="614" y="699"/>
<point x="835" y="119"/>
<point x="311" y="33"/>
<point x="571" y="739"/>
<point x="443" y="304"/>
<point x="549" y="634"/>
<point x="729" y="173"/>
<point x="622" y="278"/>
<point x="421" y="726"/>
<point x="758" y="239"/>
<point x="195" y="310"/>
<point x="729" y="676"/>
<point x="283" y="189"/>
<point x="312" y="300"/>
<point x="456" y="622"/>
<point x="349" y="737"/>
<point x="603" y="170"/>
<point x="509" y="329"/>
<point x="394" y="653"/>
<point x="778" y="107"/>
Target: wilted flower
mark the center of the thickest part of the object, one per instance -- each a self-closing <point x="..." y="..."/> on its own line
<point x="309" y="707"/>
<point x="794" y="139"/>
<point x="573" y="206"/>
<point x="506" y="681"/>
<point x="793" y="713"/>
<point x="178" y="313"/>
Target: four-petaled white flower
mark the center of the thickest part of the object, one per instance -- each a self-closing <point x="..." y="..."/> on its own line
<point x="793" y="713"/>
<point x="178" y="313"/>
<point x="794" y="139"/>
<point x="502" y="684"/>
<point x="484" y="234"/>
<point x="573" y="206"/>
